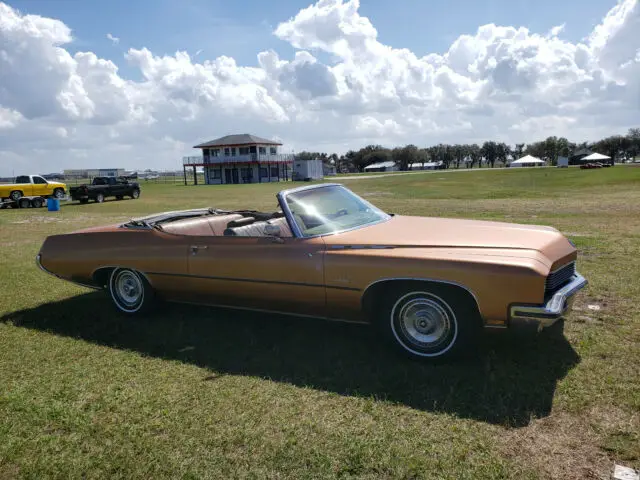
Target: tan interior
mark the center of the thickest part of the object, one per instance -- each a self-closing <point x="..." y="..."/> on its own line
<point x="228" y="225"/>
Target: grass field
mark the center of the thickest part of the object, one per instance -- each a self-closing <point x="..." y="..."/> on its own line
<point x="208" y="393"/>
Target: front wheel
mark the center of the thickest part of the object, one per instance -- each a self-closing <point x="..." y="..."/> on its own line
<point x="130" y="291"/>
<point x="58" y="193"/>
<point x="100" y="198"/>
<point x="15" y="195"/>
<point x="430" y="322"/>
<point x="135" y="194"/>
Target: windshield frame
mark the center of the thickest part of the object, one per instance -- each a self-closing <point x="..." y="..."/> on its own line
<point x="295" y="228"/>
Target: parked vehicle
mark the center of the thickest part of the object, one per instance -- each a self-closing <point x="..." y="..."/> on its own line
<point x="429" y="285"/>
<point x="104" y="187"/>
<point x="588" y="166"/>
<point x="31" y="185"/>
<point x="23" y="202"/>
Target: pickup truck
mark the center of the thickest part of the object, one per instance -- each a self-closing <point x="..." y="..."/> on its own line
<point x="31" y="185"/>
<point x="103" y="187"/>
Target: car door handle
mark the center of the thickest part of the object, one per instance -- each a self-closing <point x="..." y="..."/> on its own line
<point x="196" y="248"/>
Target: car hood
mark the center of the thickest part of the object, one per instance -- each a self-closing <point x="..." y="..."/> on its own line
<point x="407" y="231"/>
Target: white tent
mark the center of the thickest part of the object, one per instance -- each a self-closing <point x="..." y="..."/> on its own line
<point x="388" y="166"/>
<point x="527" y="161"/>
<point x="595" y="157"/>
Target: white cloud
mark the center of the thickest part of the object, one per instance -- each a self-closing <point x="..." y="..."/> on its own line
<point x="114" y="40"/>
<point x="59" y="110"/>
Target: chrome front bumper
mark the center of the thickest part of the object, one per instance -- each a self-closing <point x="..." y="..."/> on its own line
<point x="546" y="315"/>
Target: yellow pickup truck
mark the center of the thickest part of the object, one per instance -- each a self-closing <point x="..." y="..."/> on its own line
<point x="31" y="185"/>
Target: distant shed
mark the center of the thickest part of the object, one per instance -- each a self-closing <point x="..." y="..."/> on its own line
<point x="307" y="170"/>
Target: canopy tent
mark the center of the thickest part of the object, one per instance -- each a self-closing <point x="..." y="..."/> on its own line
<point x="594" y="157"/>
<point x="527" y="161"/>
<point x="388" y="166"/>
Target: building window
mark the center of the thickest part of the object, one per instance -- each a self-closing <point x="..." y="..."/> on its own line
<point x="274" y="171"/>
<point x="215" y="174"/>
<point x="262" y="150"/>
<point x="227" y="151"/>
<point x="233" y="151"/>
<point x="247" y="175"/>
<point x="244" y="150"/>
<point x="263" y="172"/>
<point x="273" y="150"/>
<point x="214" y="152"/>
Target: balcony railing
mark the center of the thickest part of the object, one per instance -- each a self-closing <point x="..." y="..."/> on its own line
<point x="249" y="158"/>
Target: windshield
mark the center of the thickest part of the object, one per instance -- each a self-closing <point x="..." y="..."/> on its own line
<point x="330" y="209"/>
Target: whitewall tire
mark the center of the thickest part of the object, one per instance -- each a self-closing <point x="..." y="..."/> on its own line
<point x="429" y="323"/>
<point x="130" y="291"/>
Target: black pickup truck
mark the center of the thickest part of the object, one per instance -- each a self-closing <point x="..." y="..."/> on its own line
<point x="103" y="187"/>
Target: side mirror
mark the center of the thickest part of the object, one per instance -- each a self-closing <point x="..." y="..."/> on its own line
<point x="272" y="230"/>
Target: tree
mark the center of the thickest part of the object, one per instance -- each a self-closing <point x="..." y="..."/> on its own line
<point x="519" y="150"/>
<point x="503" y="151"/>
<point x="475" y="154"/>
<point x="489" y="151"/>
<point x="405" y="156"/>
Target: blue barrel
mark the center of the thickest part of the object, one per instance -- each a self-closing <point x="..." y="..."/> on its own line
<point x="53" y="204"/>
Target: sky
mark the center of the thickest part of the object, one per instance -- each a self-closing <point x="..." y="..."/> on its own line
<point x="135" y="84"/>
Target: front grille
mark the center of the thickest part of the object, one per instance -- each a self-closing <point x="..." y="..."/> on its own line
<point x="560" y="277"/>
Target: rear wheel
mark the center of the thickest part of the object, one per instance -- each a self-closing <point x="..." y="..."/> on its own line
<point x="429" y="322"/>
<point x="15" y="195"/>
<point x="100" y="197"/>
<point x="130" y="291"/>
<point x="135" y="194"/>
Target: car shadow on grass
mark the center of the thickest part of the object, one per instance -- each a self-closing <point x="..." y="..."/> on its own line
<point x="509" y="382"/>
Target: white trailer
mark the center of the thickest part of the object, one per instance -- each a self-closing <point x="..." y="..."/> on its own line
<point x="563" y="162"/>
<point x="307" y="170"/>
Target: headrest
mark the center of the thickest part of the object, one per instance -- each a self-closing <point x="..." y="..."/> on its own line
<point x="240" y="222"/>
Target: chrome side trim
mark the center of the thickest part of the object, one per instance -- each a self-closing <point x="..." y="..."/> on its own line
<point x="433" y="280"/>
<point x="360" y="247"/>
<point x="275" y="312"/>
<point x="41" y="267"/>
<point x="553" y="310"/>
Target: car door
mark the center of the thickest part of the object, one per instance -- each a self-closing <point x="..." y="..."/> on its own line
<point x="24" y="184"/>
<point x="266" y="273"/>
<point x="40" y="186"/>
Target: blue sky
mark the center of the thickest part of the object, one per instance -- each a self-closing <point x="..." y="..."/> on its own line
<point x="242" y="28"/>
<point x="333" y="75"/>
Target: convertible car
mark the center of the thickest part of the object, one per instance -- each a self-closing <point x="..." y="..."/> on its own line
<point x="430" y="285"/>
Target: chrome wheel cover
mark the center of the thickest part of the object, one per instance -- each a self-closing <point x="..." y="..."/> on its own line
<point x="127" y="290"/>
<point x="424" y="324"/>
<point x="58" y="194"/>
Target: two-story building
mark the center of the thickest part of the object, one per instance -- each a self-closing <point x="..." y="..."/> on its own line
<point x="241" y="158"/>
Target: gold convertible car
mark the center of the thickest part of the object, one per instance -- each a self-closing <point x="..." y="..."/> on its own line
<point x="429" y="285"/>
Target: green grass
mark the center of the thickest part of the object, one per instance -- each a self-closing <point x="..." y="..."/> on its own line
<point x="195" y="392"/>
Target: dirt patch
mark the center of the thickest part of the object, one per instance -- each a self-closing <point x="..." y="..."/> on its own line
<point x="560" y="446"/>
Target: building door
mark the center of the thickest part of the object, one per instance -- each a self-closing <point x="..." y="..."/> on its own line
<point x="236" y="177"/>
<point x="227" y="176"/>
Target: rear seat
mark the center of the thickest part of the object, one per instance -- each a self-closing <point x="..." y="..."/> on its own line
<point x="256" y="229"/>
<point x="203" y="226"/>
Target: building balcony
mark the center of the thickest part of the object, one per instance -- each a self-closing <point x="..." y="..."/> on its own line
<point x="249" y="158"/>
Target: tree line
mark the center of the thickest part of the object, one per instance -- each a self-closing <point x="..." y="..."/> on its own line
<point x="617" y="147"/>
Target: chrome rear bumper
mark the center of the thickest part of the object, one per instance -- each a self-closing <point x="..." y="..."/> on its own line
<point x="546" y="315"/>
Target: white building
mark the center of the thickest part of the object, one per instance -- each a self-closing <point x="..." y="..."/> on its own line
<point x="94" y="172"/>
<point x="388" y="166"/>
<point x="241" y="158"/>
